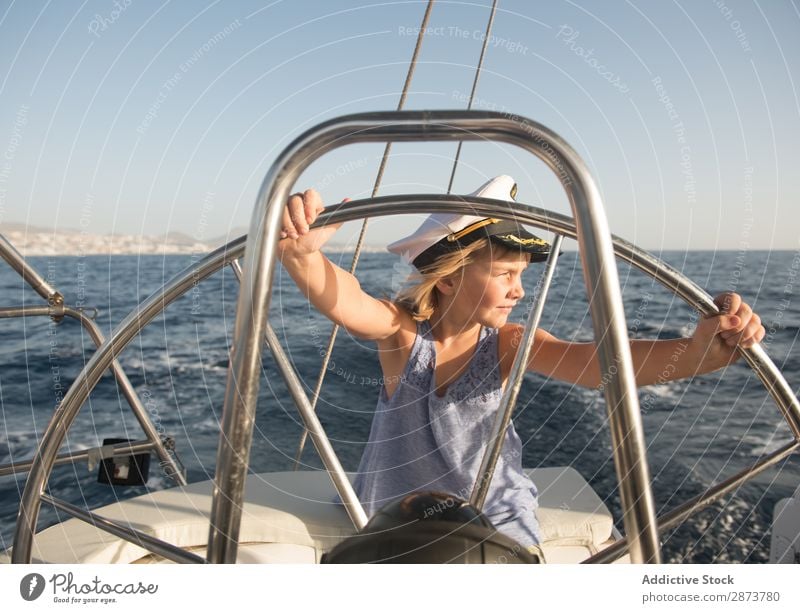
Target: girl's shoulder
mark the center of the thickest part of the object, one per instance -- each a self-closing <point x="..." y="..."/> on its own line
<point x="406" y="331"/>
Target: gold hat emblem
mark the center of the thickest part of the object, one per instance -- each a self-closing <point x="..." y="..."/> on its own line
<point x="525" y="241"/>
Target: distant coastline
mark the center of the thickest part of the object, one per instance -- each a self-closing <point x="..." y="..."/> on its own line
<point x="36" y="241"/>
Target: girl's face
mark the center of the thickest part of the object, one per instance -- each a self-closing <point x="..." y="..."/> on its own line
<point x="487" y="289"/>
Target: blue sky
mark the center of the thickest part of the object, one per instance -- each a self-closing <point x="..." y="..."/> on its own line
<point x="149" y="116"/>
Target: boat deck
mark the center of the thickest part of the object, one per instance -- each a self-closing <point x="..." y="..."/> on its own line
<point x="290" y="517"/>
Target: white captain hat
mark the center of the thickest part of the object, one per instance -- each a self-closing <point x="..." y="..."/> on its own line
<point x="443" y="233"/>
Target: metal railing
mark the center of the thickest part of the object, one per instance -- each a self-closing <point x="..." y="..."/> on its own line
<point x="87" y="455"/>
<point x="640" y="523"/>
<point x="600" y="276"/>
<point x="509" y="399"/>
<point x="57" y="311"/>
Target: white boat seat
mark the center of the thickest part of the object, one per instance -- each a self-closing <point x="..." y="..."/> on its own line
<point x="296" y="509"/>
<point x="573" y="520"/>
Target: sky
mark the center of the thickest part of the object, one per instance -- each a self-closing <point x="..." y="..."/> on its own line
<point x="149" y="117"/>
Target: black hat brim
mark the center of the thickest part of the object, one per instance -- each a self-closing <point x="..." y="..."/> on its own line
<point x="507" y="233"/>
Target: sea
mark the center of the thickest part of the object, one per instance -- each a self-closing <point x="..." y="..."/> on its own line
<point x="698" y="431"/>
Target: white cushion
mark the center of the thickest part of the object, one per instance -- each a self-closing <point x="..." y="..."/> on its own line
<point x="785" y="543"/>
<point x="570" y="512"/>
<point x="294" y="508"/>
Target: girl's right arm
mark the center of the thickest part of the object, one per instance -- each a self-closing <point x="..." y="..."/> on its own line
<point x="333" y="291"/>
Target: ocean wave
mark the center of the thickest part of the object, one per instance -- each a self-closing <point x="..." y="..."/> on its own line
<point x="670" y="390"/>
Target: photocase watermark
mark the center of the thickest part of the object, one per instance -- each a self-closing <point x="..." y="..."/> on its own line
<point x="31" y="586"/>
<point x="101" y="23"/>
<point x="151" y="406"/>
<point x="609" y="375"/>
<point x="514" y="553"/>
<point x="66" y="589"/>
<point x="52" y="333"/>
<point x="20" y="121"/>
<point x="199" y="236"/>
<point x="546" y="148"/>
<point x="687" y="170"/>
<point x="462" y="99"/>
<point x="785" y="302"/>
<point x="415" y="31"/>
<point x="183" y="68"/>
<point x="670" y="369"/>
<point x="536" y="135"/>
<point x="496" y="42"/>
<point x="735" y="25"/>
<point x="641" y="310"/>
<point x="450" y="502"/>
<point x="321" y="345"/>
<point x="748" y="221"/>
<point x="569" y="37"/>
<point x="84" y="222"/>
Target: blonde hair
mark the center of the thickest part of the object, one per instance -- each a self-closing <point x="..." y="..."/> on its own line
<point x="420" y="298"/>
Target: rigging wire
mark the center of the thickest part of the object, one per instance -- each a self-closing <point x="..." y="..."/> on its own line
<point x="379" y="178"/>
<point x="474" y="88"/>
<point x="401" y="103"/>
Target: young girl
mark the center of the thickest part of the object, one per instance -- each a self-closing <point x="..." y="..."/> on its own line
<point x="446" y="349"/>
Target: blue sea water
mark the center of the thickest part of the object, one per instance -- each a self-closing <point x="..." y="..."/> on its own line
<point x="698" y="432"/>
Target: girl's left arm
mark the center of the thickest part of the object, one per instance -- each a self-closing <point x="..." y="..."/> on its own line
<point x="713" y="346"/>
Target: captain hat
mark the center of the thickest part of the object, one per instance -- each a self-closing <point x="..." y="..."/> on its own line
<point x="443" y="233"/>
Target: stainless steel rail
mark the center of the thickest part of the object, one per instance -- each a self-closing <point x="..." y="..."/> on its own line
<point x="120" y="449"/>
<point x="509" y="399"/>
<point x="172" y="468"/>
<point x="28" y="273"/>
<point x="145" y="541"/>
<point x="86" y="380"/>
<point x="311" y="422"/>
<point x="182" y="282"/>
<point x="600" y="276"/>
<point x="313" y="426"/>
<point x="673" y="518"/>
<point x="28" y="311"/>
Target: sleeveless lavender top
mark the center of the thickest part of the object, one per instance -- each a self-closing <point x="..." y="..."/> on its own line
<point x="419" y="441"/>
